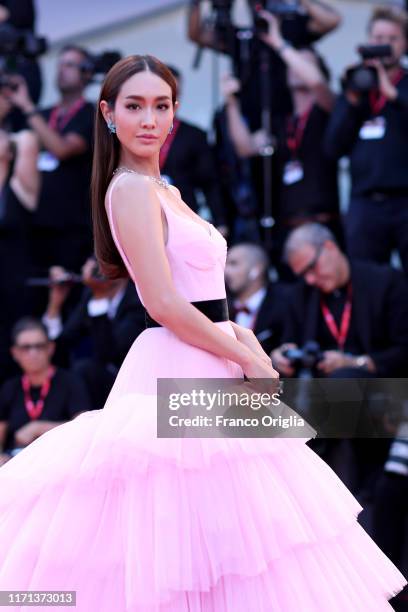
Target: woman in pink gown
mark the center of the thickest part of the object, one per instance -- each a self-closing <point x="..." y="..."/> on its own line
<point x="136" y="523"/>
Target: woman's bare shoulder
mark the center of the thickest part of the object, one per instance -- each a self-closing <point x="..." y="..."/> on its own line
<point x="176" y="190"/>
<point x="131" y="190"/>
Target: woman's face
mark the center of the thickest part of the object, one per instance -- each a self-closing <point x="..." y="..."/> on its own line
<point x="143" y="114"/>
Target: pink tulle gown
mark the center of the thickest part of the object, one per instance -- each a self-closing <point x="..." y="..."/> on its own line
<point x="134" y="523"/>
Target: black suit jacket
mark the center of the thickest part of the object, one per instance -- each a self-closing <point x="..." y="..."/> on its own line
<point x="111" y="339"/>
<point x="379" y="309"/>
<point x="270" y="318"/>
<point x="190" y="165"/>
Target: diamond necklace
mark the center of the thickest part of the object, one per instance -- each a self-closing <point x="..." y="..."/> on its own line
<point x="160" y="181"/>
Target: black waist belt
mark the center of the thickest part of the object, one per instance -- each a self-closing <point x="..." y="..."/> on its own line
<point x="216" y="310"/>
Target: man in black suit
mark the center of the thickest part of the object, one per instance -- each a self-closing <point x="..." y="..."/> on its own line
<point x="99" y="331"/>
<point x="357" y="312"/>
<point x="257" y="303"/>
<point x="373" y="337"/>
<point x="187" y="161"/>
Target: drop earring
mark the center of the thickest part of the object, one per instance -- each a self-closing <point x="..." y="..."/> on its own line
<point x="171" y="128"/>
<point x="111" y="126"/>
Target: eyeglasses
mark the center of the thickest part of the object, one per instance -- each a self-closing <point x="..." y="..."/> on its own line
<point x="68" y="64"/>
<point x="312" y="264"/>
<point x="37" y="346"/>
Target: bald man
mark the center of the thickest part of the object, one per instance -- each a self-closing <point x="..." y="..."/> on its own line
<point x="357" y="311"/>
<point x="256" y="302"/>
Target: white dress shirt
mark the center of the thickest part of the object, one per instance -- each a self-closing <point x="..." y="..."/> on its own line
<point x="95" y="307"/>
<point x="253" y="304"/>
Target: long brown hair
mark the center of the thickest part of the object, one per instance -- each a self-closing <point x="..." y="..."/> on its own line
<point x="106" y="156"/>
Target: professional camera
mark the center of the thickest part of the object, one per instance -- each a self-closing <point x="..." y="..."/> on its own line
<point x="20" y="43"/>
<point x="99" y="65"/>
<point x="103" y="62"/>
<point x="283" y="8"/>
<point x="222" y="8"/>
<point x="222" y="20"/>
<point x="69" y="278"/>
<point x="306" y="357"/>
<point x="364" y="78"/>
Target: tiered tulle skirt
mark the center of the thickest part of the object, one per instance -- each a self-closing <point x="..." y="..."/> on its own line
<point x="138" y="524"/>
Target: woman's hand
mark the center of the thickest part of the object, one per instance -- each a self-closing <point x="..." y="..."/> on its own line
<point x="260" y="366"/>
<point x="247" y="337"/>
<point x="257" y="367"/>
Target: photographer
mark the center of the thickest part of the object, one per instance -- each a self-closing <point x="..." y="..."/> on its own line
<point x="306" y="181"/>
<point x="99" y="331"/>
<point x="40" y="398"/>
<point x="356" y="311"/>
<point x="302" y="27"/>
<point x="313" y="19"/>
<point x="17" y="22"/>
<point x="371" y="126"/>
<point x="19" y="192"/>
<point x="61" y="232"/>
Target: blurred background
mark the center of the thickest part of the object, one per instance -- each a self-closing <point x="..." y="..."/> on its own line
<point x="291" y="138"/>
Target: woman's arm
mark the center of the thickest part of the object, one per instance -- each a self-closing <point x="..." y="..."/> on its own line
<point x="247" y="337"/>
<point x="137" y="214"/>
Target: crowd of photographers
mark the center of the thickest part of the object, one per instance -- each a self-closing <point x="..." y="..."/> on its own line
<point x="315" y="285"/>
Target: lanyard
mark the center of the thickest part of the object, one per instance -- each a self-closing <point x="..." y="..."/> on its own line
<point x="58" y="121"/>
<point x="34" y="409"/>
<point x="377" y="100"/>
<point x="339" y="334"/>
<point x="164" y="151"/>
<point x="295" y="130"/>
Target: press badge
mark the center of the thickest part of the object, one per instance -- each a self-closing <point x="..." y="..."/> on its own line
<point x="47" y="162"/>
<point x="293" y="173"/>
<point x="374" y="129"/>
